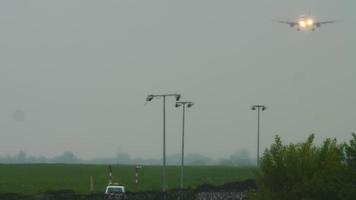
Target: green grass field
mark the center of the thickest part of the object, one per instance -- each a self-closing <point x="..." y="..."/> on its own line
<point x="36" y="178"/>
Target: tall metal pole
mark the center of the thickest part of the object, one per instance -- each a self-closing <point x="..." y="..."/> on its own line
<point x="164" y="181"/>
<point x="259" y="108"/>
<point x="150" y="97"/>
<point x="184" y="104"/>
<point x="258" y="136"/>
<point x="182" y="165"/>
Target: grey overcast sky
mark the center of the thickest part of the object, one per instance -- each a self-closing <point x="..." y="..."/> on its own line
<point x="74" y="74"/>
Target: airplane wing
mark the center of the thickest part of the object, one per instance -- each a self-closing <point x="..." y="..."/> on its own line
<point x="289" y="23"/>
<point x="325" y="22"/>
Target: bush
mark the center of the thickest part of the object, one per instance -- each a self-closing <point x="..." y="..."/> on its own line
<point x="305" y="171"/>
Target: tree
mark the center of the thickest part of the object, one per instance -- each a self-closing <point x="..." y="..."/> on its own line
<point x="21" y="157"/>
<point x="66" y="157"/>
<point x="241" y="158"/>
<point x="349" y="190"/>
<point x="303" y="171"/>
<point x="350" y="152"/>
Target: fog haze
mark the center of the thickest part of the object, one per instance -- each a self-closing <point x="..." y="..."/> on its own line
<point x="74" y="75"/>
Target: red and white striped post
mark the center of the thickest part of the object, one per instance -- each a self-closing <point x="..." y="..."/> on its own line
<point x="110" y="175"/>
<point x="136" y="173"/>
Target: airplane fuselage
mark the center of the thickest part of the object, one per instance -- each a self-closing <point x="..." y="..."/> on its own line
<point x="306" y="23"/>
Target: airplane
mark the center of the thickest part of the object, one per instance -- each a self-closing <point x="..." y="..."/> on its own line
<point x="306" y="23"/>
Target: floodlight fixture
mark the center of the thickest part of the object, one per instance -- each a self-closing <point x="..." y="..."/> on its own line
<point x="150" y="97"/>
<point x="184" y="103"/>
<point x="178" y="97"/>
<point x="190" y="104"/>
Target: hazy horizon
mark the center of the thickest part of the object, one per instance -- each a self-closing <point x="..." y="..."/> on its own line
<point x="75" y="74"/>
<point x="242" y="158"/>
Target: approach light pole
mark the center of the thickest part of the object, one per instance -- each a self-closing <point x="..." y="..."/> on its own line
<point x="163" y="96"/>
<point x="259" y="108"/>
<point x="184" y="105"/>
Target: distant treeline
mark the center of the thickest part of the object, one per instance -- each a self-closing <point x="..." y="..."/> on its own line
<point x="241" y="158"/>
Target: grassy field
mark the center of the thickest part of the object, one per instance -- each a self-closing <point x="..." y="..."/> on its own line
<point x="36" y="178"/>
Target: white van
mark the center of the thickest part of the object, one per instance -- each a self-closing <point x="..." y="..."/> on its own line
<point x="115" y="192"/>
